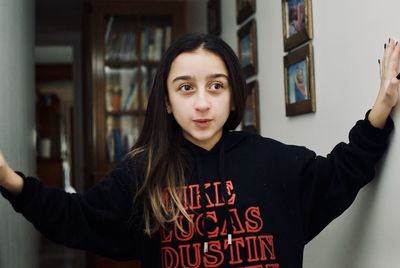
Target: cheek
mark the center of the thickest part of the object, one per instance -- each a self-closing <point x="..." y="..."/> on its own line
<point x="224" y="108"/>
<point x="180" y="109"/>
<point x="176" y="104"/>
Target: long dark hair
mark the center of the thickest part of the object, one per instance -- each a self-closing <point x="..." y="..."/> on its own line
<point x="159" y="139"/>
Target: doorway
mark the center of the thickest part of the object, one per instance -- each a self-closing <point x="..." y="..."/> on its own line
<point x="59" y="127"/>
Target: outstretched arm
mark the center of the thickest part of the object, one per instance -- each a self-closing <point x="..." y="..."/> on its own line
<point x="390" y="79"/>
<point x="103" y="220"/>
<point x="8" y="178"/>
<point x="330" y="184"/>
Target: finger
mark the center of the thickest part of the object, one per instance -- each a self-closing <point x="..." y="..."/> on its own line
<point x="386" y="56"/>
<point x="395" y="59"/>
<point x="383" y="58"/>
<point x="396" y="55"/>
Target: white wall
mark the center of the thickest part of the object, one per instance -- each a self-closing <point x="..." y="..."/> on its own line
<point x="17" y="124"/>
<point x="348" y="40"/>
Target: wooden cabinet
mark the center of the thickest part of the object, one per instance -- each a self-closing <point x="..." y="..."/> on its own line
<point x="126" y="40"/>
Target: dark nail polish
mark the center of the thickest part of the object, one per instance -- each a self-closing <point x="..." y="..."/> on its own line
<point x="379" y="61"/>
<point x="398" y="76"/>
<point x="389" y="40"/>
<point x="396" y="43"/>
<point x="384" y="46"/>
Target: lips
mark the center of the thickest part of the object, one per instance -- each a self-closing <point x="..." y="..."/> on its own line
<point x="202" y="123"/>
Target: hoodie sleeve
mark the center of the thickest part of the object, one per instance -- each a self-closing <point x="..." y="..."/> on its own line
<point x="99" y="220"/>
<point x="330" y="184"/>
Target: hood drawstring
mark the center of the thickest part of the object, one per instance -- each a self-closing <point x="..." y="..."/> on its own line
<point x="203" y="201"/>
<point x="221" y="175"/>
<point x="224" y="190"/>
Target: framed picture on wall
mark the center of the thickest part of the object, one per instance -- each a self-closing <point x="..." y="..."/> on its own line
<point x="299" y="81"/>
<point x="297" y="23"/>
<point x="244" y="8"/>
<point x="247" y="44"/>
<point x="251" y="117"/>
<point x="214" y="17"/>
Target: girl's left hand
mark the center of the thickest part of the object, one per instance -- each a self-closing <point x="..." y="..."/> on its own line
<point x="390" y="77"/>
<point x="390" y="80"/>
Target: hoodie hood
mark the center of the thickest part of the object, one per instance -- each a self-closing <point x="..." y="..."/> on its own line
<point x="229" y="140"/>
<point x="202" y="172"/>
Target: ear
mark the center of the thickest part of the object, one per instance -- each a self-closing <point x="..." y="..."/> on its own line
<point x="169" y="110"/>
<point x="232" y="105"/>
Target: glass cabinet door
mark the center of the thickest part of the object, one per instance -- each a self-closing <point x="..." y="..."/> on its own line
<point x="131" y="59"/>
<point x="122" y="85"/>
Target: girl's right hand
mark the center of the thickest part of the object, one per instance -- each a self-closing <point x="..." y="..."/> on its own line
<point x="10" y="180"/>
<point x="3" y="169"/>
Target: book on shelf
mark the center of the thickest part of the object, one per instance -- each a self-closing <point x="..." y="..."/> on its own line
<point x="121" y="137"/>
<point x="119" y="44"/>
<point x="167" y="37"/>
<point x="110" y="147"/>
<point x="148" y="74"/>
<point x="130" y="99"/>
<point x="125" y="79"/>
<point x="118" y="145"/>
<point x="154" y="40"/>
<point x="121" y="47"/>
<point x="108" y="29"/>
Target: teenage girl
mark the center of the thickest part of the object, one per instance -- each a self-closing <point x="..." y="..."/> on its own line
<point x="194" y="193"/>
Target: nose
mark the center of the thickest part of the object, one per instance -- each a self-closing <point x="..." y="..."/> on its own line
<point x="202" y="102"/>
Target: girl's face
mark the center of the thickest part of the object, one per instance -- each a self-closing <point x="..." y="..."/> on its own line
<point x="199" y="96"/>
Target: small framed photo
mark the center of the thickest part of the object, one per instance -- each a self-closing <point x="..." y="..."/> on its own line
<point x="214" y="17"/>
<point x="244" y="8"/>
<point x="251" y="117"/>
<point x="297" y="23"/>
<point x="299" y="81"/>
<point x="247" y="44"/>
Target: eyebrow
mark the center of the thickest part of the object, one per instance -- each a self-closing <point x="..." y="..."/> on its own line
<point x="188" y="77"/>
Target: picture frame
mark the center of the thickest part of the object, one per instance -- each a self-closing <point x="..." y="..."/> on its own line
<point x="244" y="8"/>
<point x="214" y="17"/>
<point x="247" y="48"/>
<point x="299" y="81"/>
<point x="251" y="116"/>
<point x="297" y="23"/>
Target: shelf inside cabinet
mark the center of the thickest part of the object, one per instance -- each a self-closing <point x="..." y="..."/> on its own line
<point x="151" y="63"/>
<point x="121" y="63"/>
<point x="123" y="113"/>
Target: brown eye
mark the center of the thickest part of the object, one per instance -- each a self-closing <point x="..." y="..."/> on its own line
<point x="185" y="88"/>
<point x="216" y="86"/>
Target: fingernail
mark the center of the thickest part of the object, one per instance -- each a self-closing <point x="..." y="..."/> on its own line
<point x="379" y="61"/>
<point x="398" y="76"/>
<point x="396" y="43"/>
<point x="389" y="40"/>
<point x="384" y="46"/>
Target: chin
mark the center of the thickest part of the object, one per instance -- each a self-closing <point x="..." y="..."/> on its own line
<point x="201" y="137"/>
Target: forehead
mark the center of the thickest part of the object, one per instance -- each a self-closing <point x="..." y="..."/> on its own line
<point x="197" y="62"/>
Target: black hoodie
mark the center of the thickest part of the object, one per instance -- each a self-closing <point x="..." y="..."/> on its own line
<point x="264" y="201"/>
